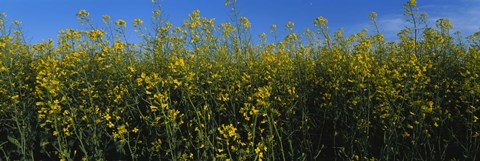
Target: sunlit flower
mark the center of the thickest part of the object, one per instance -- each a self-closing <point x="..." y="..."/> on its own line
<point x="121" y="22"/>
<point x="137" y="22"/>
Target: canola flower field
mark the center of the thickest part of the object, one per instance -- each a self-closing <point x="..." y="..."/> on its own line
<point x="203" y="91"/>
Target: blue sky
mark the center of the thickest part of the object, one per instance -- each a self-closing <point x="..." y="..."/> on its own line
<point x="42" y="19"/>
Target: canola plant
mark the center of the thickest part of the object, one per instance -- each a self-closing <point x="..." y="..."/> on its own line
<point x="202" y="91"/>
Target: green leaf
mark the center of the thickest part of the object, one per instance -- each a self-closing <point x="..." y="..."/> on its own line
<point x="14" y="141"/>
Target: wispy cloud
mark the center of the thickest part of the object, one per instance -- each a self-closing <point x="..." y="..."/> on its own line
<point x="464" y="15"/>
<point x="389" y="26"/>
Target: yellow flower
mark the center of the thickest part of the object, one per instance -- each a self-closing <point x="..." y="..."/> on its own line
<point x="153" y="108"/>
<point x="105" y="19"/>
<point x="107" y="117"/>
<point x="164" y="105"/>
<point x="273" y="28"/>
<point x="55" y="105"/>
<point x="412" y="3"/>
<point x="110" y="124"/>
<point x="290" y="25"/>
<point x="245" y="22"/>
<point x="83" y="13"/>
<point x="2" y="69"/>
<point x="15" y="97"/>
<point x="320" y="21"/>
<point x="135" y="130"/>
<point x="121" y="22"/>
<point x="66" y="131"/>
<point x="137" y="22"/>
<point x="406" y="134"/>
<point x="409" y="126"/>
<point x="122" y="129"/>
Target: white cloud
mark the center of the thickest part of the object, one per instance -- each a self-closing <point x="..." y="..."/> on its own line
<point x="391" y="25"/>
<point x="465" y="15"/>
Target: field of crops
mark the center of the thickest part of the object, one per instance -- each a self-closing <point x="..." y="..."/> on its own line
<point x="203" y="91"/>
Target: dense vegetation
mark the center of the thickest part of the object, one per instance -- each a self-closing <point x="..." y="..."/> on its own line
<point x="202" y="91"/>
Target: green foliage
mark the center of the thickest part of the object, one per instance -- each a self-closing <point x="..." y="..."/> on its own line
<point x="204" y="92"/>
